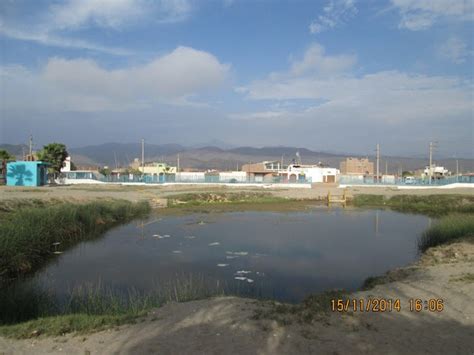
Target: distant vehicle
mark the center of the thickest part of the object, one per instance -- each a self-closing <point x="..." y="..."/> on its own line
<point x="410" y="180"/>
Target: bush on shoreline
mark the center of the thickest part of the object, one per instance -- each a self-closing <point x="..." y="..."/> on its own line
<point x="434" y="205"/>
<point x="448" y="229"/>
<point x="27" y="235"/>
<point x="206" y="198"/>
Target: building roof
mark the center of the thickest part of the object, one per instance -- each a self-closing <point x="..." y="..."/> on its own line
<point x="34" y="162"/>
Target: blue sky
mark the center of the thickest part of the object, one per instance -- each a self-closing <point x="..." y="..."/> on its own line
<point x="336" y="75"/>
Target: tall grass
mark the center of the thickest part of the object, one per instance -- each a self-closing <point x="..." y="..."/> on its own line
<point x="447" y="229"/>
<point x="27" y="306"/>
<point x="27" y="235"/>
<point x="435" y="205"/>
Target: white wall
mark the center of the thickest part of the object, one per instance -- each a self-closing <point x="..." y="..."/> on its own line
<point x="190" y="176"/>
<point x="315" y="173"/>
<point x="239" y="176"/>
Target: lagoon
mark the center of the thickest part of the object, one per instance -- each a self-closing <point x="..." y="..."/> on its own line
<point x="279" y="255"/>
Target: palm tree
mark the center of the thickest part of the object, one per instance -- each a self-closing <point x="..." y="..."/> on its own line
<point x="4" y="158"/>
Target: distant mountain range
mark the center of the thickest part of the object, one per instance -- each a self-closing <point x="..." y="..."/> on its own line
<point x="225" y="158"/>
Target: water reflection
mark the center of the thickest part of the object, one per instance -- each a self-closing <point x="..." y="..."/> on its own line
<point x="285" y="255"/>
<point x="376" y="223"/>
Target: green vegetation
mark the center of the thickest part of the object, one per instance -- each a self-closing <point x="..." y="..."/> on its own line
<point x="55" y="154"/>
<point x="5" y="157"/>
<point x="434" y="205"/>
<point x="60" y="325"/>
<point x="466" y="277"/>
<point x="8" y="206"/>
<point x="200" y="199"/>
<point x="28" y="234"/>
<point x="312" y="308"/>
<point x="28" y="310"/>
<point x="448" y="229"/>
<point x="390" y="276"/>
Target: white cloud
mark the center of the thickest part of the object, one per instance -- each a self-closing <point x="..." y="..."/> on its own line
<point x="391" y="97"/>
<point x="454" y="49"/>
<point x="422" y="14"/>
<point x="261" y="116"/>
<point x="335" y="13"/>
<point x="82" y="85"/>
<point x="47" y="28"/>
<point x="315" y="61"/>
<point x="56" y="41"/>
<point x="115" y="13"/>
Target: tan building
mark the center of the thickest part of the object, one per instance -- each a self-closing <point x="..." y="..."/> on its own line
<point x="262" y="172"/>
<point x="357" y="166"/>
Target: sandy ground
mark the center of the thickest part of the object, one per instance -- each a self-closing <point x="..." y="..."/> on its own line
<point x="158" y="192"/>
<point x="225" y="325"/>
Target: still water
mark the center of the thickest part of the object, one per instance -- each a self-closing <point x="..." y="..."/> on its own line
<point x="281" y="255"/>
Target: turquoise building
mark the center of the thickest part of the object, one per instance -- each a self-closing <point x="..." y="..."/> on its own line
<point x="27" y="173"/>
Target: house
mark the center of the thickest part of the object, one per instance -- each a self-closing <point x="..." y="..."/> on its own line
<point x="311" y="173"/>
<point x="158" y="172"/>
<point x="266" y="171"/>
<point x="66" y="165"/>
<point x="357" y="166"/>
<point x="27" y="173"/>
<point x="437" y="172"/>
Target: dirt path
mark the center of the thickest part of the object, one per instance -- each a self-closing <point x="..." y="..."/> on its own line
<point x="136" y="193"/>
<point x="226" y="325"/>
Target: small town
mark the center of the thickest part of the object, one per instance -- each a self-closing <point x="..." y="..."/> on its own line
<point x="31" y="171"/>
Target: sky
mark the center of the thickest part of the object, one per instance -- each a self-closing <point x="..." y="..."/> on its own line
<point x="329" y="75"/>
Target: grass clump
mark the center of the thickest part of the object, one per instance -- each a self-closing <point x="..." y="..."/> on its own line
<point x="27" y="235"/>
<point x="200" y="199"/>
<point x="312" y="308"/>
<point x="448" y="229"/>
<point x="435" y="205"/>
<point x="465" y="277"/>
<point x="60" y="325"/>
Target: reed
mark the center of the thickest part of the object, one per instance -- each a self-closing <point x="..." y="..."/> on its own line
<point x="28" y="307"/>
<point x="27" y="235"/>
<point x="448" y="229"/>
<point x="434" y="205"/>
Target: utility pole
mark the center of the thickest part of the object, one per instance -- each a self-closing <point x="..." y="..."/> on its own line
<point x="386" y="167"/>
<point x="430" y="168"/>
<point x="378" y="161"/>
<point x="457" y="167"/>
<point x="31" y="147"/>
<point x="177" y="168"/>
<point x="143" y="156"/>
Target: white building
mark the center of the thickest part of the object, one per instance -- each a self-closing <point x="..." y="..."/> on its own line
<point x="313" y="173"/>
<point x="437" y="172"/>
<point x="66" y="165"/>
